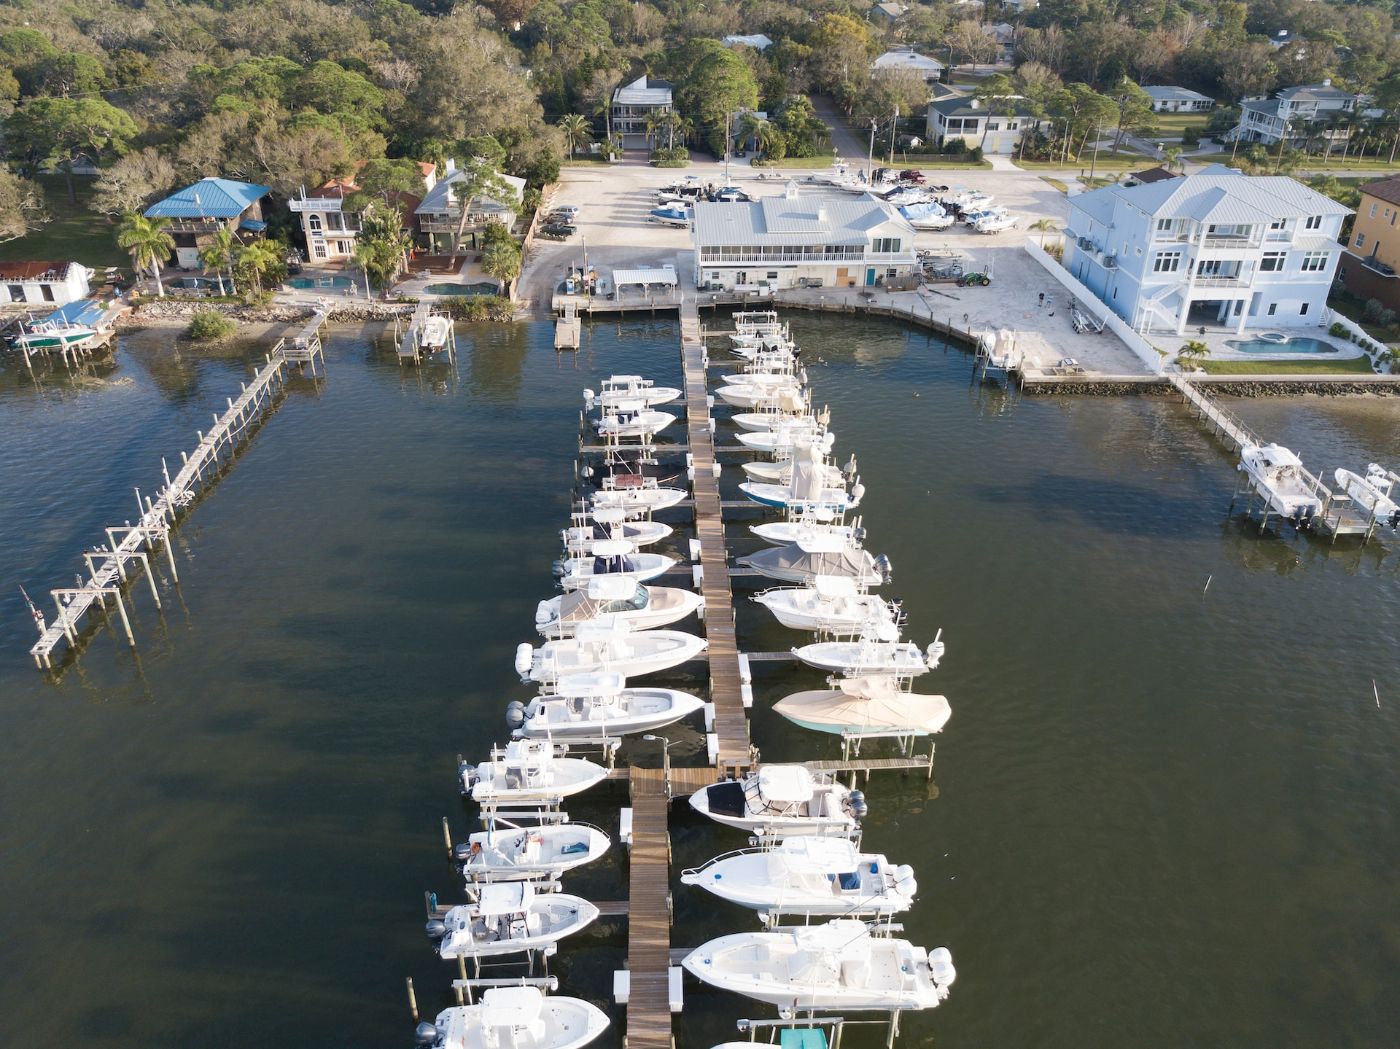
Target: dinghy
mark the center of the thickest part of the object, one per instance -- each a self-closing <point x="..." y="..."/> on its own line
<point x="831" y="605"/>
<point x="840" y="966"/>
<point x="782" y="799"/>
<point x="607" y="645"/>
<point x="809" y="875"/>
<point x="611" y="557"/>
<point x="1374" y="493"/>
<point x="600" y="704"/>
<point x="867" y="704"/>
<point x="527" y="771"/>
<point x="1278" y="475"/>
<point x="518" y="1017"/>
<point x="509" y="918"/>
<point x="633" y="419"/>
<point x="611" y="523"/>
<point x="636" y="493"/>
<point x="615" y="597"/>
<point x="877" y="650"/>
<point x="527" y="853"/>
<point x="820" y="555"/>
<point x="630" y="389"/>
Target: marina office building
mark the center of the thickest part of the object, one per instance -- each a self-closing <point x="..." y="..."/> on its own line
<point x="1215" y="249"/>
<point x="800" y="240"/>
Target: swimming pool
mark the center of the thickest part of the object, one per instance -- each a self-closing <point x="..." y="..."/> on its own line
<point x="480" y="288"/>
<point x="1292" y="344"/>
<point x="311" y="283"/>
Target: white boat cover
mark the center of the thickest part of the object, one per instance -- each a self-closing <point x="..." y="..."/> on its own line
<point x="794" y="563"/>
<point x="785" y="784"/>
<point x="511" y="1006"/>
<point x="499" y="899"/>
<point x="587" y="686"/>
<point x="868" y="703"/>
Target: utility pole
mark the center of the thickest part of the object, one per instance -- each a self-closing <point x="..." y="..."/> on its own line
<point x="1282" y="139"/>
<point x="1093" y="163"/>
<point x="870" y="161"/>
<point x="894" y="126"/>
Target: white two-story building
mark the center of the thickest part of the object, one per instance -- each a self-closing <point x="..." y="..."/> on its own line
<point x="1216" y="249"/>
<point x="331" y="228"/>
<point x="798" y="240"/>
<point x="1295" y="112"/>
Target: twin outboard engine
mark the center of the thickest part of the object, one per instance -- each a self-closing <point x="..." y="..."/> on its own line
<point x="856" y="800"/>
<point x="885" y="567"/>
<point x="940" y="968"/>
<point x="515" y="714"/>
<point x="559" y="568"/>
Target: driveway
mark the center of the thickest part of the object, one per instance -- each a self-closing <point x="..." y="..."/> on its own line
<point x="847" y="143"/>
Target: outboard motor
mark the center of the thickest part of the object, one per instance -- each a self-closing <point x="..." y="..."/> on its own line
<point x="904" y="880"/>
<point x="515" y="714"/>
<point x="935" y="654"/>
<point x="1395" y="520"/>
<point x="559" y="568"/>
<point x="587" y="472"/>
<point x="543" y="613"/>
<point x="436" y="929"/>
<point x="589" y="397"/>
<point x="885" y="567"/>
<point x="466" y="776"/>
<point x="940" y="968"/>
<point x="425" y="1034"/>
<point x="524" y="660"/>
<point x="462" y="853"/>
<point x="857" y="802"/>
<point x="857" y="493"/>
<point x="858" y="533"/>
<point x="849" y="470"/>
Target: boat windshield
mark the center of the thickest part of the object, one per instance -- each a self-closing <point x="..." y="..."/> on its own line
<point x="635" y="603"/>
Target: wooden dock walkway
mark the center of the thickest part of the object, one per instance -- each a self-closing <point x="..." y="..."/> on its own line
<point x="649" y="915"/>
<point x="1221" y="421"/>
<point x="731" y="724"/>
<point x="130" y="545"/>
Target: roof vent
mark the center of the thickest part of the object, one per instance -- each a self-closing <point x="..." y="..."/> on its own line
<point x="790" y="190"/>
<point x="821" y="212"/>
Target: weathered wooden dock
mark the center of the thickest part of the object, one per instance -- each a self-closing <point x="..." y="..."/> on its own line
<point x="130" y="545"/>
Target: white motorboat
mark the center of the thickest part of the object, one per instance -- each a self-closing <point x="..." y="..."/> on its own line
<point x="508" y="918"/>
<point x="820" y="555"/>
<point x="788" y="407"/>
<point x="875" y="703"/>
<point x="808" y="525"/>
<point x="527" y="853"/>
<point x="632" y="419"/>
<point x="1278" y="475"/>
<point x="630" y="389"/>
<point x="607" y="645"/>
<point x="751" y="395"/>
<point x="515" y="1017"/>
<point x="611" y="523"/>
<point x="997" y="223"/>
<point x="810" y="874"/>
<point x="840" y="966"/>
<point x="783" y="799"/>
<point x="788" y="437"/>
<point x="527" y="771"/>
<point x="877" y="650"/>
<point x="600" y="704"/>
<point x="1374" y="493"/>
<point x="611" y="557"/>
<point x="779" y="471"/>
<point x="807" y="488"/>
<point x="618" y="597"/>
<point x="633" y="492"/>
<point x="433" y="335"/>
<point x="760" y="346"/>
<point x="831" y="605"/>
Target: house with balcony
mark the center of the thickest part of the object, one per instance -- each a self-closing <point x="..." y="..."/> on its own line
<point x="633" y="104"/>
<point x="1370" y="263"/>
<point x="43" y="283"/>
<point x="1297" y="114"/>
<point x="907" y="58"/>
<point x="1178" y="100"/>
<point x="331" y="227"/>
<point x="200" y="210"/>
<point x="996" y="128"/>
<point x="801" y="240"/>
<point x="1217" y="249"/>
<point x="440" y="213"/>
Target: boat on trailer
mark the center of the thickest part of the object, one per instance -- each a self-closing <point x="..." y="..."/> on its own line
<point x="809" y="874"/>
<point x="841" y="966"/>
<point x="528" y="853"/>
<point x="515" y="1017"/>
<point x="509" y="918"/>
<point x="600" y="704"/>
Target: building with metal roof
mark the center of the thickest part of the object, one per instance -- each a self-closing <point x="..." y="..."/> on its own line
<point x="1217" y="249"/>
<point x="1296" y="113"/>
<point x="441" y="213"/>
<point x="200" y="210"/>
<point x="994" y="129"/>
<point x="1172" y="99"/>
<point x="907" y="58"/>
<point x="801" y="240"/>
<point x="632" y="106"/>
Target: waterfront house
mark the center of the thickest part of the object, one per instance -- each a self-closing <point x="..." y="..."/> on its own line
<point x="800" y="239"/>
<point x="633" y="104"/>
<point x="200" y="210"/>
<point x="996" y="128"/>
<point x="888" y="13"/>
<point x="1297" y="113"/>
<point x="1371" y="258"/>
<point x="1179" y="100"/>
<point x="907" y="58"/>
<point x="331" y="228"/>
<point x="44" y="283"/>
<point x="1217" y="249"/>
<point x="440" y="213"/>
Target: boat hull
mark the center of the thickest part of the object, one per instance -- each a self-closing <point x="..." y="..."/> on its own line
<point x="852" y="657"/>
<point x="651" y="708"/>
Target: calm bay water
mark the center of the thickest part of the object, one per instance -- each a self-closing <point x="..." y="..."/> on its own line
<point x="1167" y="811"/>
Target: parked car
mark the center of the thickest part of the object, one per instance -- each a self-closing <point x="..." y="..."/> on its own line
<point x="558" y="230"/>
<point x="916" y="177"/>
<point x="564" y="213"/>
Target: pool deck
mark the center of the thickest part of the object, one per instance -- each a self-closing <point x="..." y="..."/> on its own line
<point x="1220" y="350"/>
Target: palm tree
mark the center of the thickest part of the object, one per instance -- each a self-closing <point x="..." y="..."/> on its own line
<point x="217" y="254"/>
<point x="501" y="260"/>
<point x="1172" y="156"/>
<point x="1043" y="226"/>
<point x="255" y="261"/>
<point x="1192" y="350"/>
<point x="149" y="243"/>
<point x="577" y="131"/>
<point x="364" y="256"/>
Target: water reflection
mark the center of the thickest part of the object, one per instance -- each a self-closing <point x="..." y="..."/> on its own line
<point x="496" y="359"/>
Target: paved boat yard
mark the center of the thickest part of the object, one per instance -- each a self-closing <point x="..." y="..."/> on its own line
<point x="614" y="232"/>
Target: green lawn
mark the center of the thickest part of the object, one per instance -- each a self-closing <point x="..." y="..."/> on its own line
<point x="73" y="234"/>
<point x="1317" y="163"/>
<point x="585" y="162"/>
<point x="1107" y="161"/>
<point x="1352" y="308"/>
<point x="1061" y="186"/>
<point x="1348" y="366"/>
<point x="1173" y="125"/>
<point x="799" y="162"/>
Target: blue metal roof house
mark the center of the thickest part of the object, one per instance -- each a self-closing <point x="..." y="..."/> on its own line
<point x="205" y="207"/>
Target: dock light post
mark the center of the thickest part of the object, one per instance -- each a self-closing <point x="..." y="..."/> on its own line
<point x="666" y="746"/>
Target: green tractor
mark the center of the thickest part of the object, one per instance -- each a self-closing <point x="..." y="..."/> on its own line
<point x="969" y="280"/>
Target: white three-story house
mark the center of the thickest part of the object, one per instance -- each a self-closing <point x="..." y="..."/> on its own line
<point x="1216" y="249"/>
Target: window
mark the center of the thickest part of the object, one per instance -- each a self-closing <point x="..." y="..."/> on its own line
<point x="313" y="223"/>
<point x="1361" y="240"/>
<point x="16" y="292"/>
<point x="885" y="245"/>
<point x="1273" y="307"/>
<point x="1314" y="261"/>
<point x="1276" y="224"/>
<point x="1167" y="262"/>
<point x="1373" y="212"/>
<point x="1313" y="222"/>
<point x="773" y="275"/>
<point x="1272" y="262"/>
<point x="1164" y="225"/>
<point x="318" y="248"/>
<point x="1303" y="310"/>
<point x="46" y="292"/>
<point x="994" y="125"/>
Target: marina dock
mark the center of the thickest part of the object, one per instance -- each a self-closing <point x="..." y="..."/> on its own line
<point x="130" y="546"/>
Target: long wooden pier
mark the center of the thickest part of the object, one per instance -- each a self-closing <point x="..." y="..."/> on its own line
<point x="129" y="545"/>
